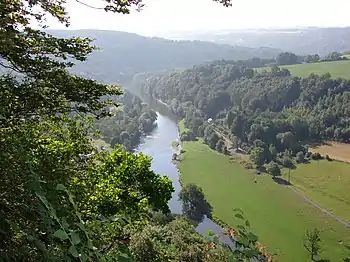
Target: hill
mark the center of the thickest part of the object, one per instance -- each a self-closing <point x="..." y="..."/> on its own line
<point x="124" y="54"/>
<point x="297" y="40"/>
<point x="274" y="117"/>
<point x="335" y="68"/>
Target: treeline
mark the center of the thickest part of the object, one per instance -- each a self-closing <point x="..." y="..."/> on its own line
<point x="284" y="58"/>
<point x="130" y="121"/>
<point x="271" y="110"/>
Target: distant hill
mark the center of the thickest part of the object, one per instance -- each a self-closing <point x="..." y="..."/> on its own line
<point x="124" y="54"/>
<point x="335" y="68"/>
<point x="297" y="40"/>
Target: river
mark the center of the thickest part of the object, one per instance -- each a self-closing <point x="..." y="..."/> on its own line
<point x="158" y="145"/>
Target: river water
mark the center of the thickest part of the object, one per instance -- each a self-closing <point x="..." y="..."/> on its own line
<point x="158" y="145"/>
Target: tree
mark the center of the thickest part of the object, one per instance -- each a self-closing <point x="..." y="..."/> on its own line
<point x="213" y="140"/>
<point x="287" y="161"/>
<point x="273" y="169"/>
<point x="273" y="151"/>
<point x="300" y="157"/>
<point x="220" y="146"/>
<point x="287" y="58"/>
<point x="194" y="204"/>
<point x="312" y="243"/>
<point x="257" y="156"/>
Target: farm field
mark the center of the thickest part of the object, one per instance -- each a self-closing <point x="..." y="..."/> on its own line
<point x="277" y="215"/>
<point x="326" y="183"/>
<point x="336" y="69"/>
<point x="335" y="150"/>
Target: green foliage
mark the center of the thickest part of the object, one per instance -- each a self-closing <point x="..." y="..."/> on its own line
<point x="300" y="157"/>
<point x="312" y="243"/>
<point x="220" y="145"/>
<point x="257" y="156"/>
<point x="175" y="241"/>
<point x="123" y="182"/>
<point x="272" y="107"/>
<point x="273" y="169"/>
<point x="129" y="124"/>
<point x="287" y="161"/>
<point x="194" y="204"/>
<point x="287" y="58"/>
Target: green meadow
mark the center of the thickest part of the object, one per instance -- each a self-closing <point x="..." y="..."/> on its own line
<point x="278" y="216"/>
<point x="336" y="69"/>
<point x="326" y="183"/>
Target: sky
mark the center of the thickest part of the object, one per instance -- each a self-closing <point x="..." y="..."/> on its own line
<point x="163" y="17"/>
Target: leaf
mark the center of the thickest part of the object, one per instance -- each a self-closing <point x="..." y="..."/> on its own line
<point x="210" y="233"/>
<point x="65" y="223"/>
<point x="250" y="253"/>
<point x="242" y="240"/>
<point x="75" y="238"/>
<point x="247" y="224"/>
<point x="30" y="238"/>
<point x="241" y="228"/>
<point x="42" y="199"/>
<point x="61" y="187"/>
<point x="252" y="237"/>
<point x="81" y="226"/>
<point x="73" y="251"/>
<point x="237" y="210"/>
<point x="124" y="257"/>
<point x="84" y="257"/>
<point x="239" y="216"/>
<point x="61" y="234"/>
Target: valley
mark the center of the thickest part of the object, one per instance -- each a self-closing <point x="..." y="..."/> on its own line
<point x="223" y="146"/>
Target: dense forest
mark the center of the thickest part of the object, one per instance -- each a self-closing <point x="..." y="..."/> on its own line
<point x="130" y="121"/>
<point x="266" y="113"/>
<point x="122" y="54"/>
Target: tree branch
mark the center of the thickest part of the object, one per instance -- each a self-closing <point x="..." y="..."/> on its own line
<point x="94" y="7"/>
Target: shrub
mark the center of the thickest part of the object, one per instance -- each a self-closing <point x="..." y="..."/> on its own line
<point x="287" y="162"/>
<point x="316" y="156"/>
<point x="300" y="158"/>
<point x="273" y="169"/>
<point x="328" y="158"/>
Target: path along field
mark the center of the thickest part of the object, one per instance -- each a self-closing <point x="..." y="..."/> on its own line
<point x="335" y="150"/>
<point x="335" y="68"/>
<point x="277" y="215"/>
<point x="327" y="183"/>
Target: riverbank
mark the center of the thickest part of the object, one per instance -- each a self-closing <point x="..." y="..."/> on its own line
<point x="277" y="215"/>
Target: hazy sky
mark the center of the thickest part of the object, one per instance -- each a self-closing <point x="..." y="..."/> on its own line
<point x="162" y="16"/>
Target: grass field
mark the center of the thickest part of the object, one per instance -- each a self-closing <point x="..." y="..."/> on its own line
<point x="338" y="151"/>
<point x="277" y="215"/>
<point x="327" y="183"/>
<point x="336" y="69"/>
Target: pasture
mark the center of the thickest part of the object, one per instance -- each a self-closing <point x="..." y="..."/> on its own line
<point x="326" y="183"/>
<point x="335" y="68"/>
<point x="278" y="216"/>
<point x="334" y="150"/>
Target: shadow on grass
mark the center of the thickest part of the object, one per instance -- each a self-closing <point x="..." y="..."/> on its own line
<point x="281" y="181"/>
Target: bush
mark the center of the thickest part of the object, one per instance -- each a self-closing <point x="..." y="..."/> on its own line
<point x="300" y="157"/>
<point x="287" y="162"/>
<point x="273" y="169"/>
<point x="328" y="158"/>
<point x="188" y="136"/>
<point x="308" y="155"/>
<point x="316" y="156"/>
